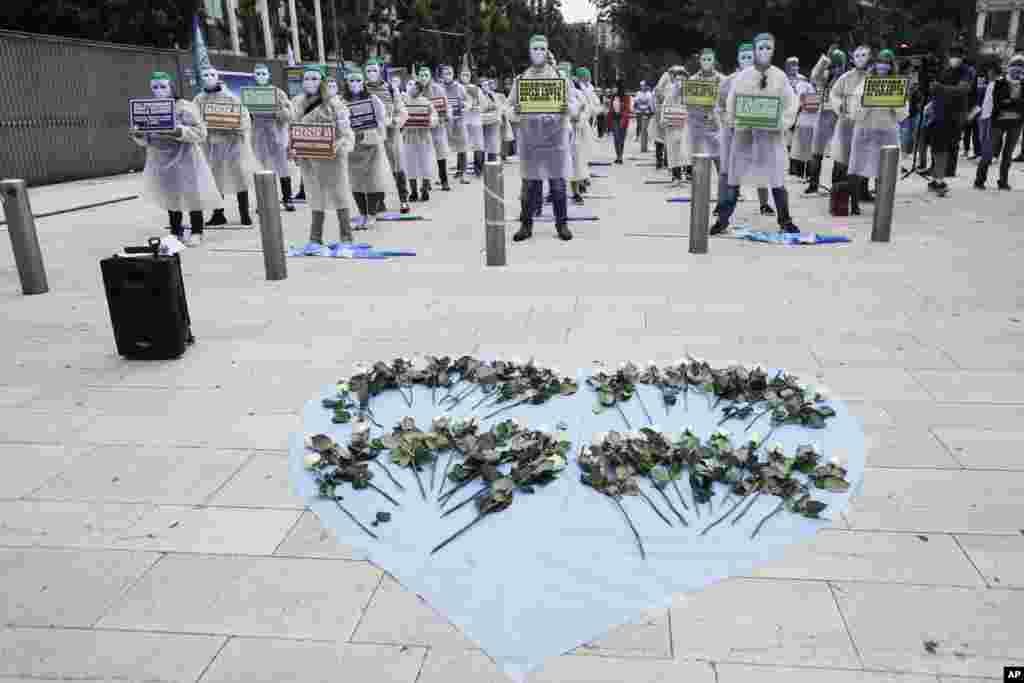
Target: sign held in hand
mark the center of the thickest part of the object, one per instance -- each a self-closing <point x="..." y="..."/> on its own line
<point x="312" y="141"/>
<point x="541" y="95"/>
<point x="759" y="111"/>
<point x="223" y="115"/>
<point x="888" y="91"/>
<point x="698" y="93"/>
<point x="362" y="115"/>
<point x="152" y="115"/>
<point x="261" y="101"/>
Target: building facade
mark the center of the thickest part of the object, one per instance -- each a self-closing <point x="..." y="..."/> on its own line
<point x="999" y="27"/>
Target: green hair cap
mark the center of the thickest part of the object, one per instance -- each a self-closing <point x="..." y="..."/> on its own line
<point x="538" y="40"/>
<point x="160" y="76"/>
<point x="746" y="47"/>
<point x="318" y="68"/>
<point x="374" y="61"/>
<point x="355" y="73"/>
<point x="583" y="72"/>
<point x="707" y="52"/>
<point x="760" y="37"/>
<point x="887" y="55"/>
<point x="838" y="58"/>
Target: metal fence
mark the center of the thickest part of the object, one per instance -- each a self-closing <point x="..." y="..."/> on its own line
<point x="64" y="109"/>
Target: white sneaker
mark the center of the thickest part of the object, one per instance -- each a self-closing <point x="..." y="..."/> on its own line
<point x="371" y="221"/>
<point x="194" y="240"/>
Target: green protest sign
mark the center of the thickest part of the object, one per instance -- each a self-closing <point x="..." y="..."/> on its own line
<point x="260" y="100"/>
<point x="758" y="111"/>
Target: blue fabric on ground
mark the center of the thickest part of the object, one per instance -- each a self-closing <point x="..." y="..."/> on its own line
<point x="350" y="251"/>
<point x="789" y="239"/>
<point x="560" y="567"/>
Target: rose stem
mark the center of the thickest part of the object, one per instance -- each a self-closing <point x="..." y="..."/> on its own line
<point x="686" y="394"/>
<point x="680" y="494"/>
<point x="433" y="472"/>
<point x="758" y="417"/>
<point x="718" y="521"/>
<point x="365" y="410"/>
<point x="444" y="497"/>
<point x="636" y="534"/>
<point x="458" y="533"/>
<point x="465" y="502"/>
<point x="453" y="397"/>
<point x="352" y="517"/>
<point x="433" y="393"/>
<point x="717" y="401"/>
<point x="469" y="392"/>
<point x="746" y="509"/>
<point x="412" y="398"/>
<point x="486" y="396"/>
<point x="398" y="385"/>
<point x="771" y="514"/>
<point x="388" y="472"/>
<point x="501" y="410"/>
<point x="619" y="408"/>
<point x="669" y="503"/>
<point x="696" y="503"/>
<point x="654" y="507"/>
<point x="419" y="481"/>
<point x="444" y="475"/>
<point x="451" y="388"/>
<point x="378" y="490"/>
<point x="644" y="406"/>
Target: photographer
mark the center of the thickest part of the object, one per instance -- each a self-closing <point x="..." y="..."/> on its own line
<point x="951" y="91"/>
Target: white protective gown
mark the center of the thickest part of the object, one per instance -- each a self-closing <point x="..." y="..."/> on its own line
<point x="873" y="129"/>
<point x="825" y="126"/>
<point x="440" y="134"/>
<point x="327" y="181"/>
<point x="177" y="176"/>
<point x="230" y="152"/>
<point x="544" y="139"/>
<point x="270" y="136"/>
<point x="491" y="106"/>
<point x="727" y="132"/>
<point x="677" y="144"/>
<point x="394" y="113"/>
<point x="418" y="158"/>
<point x="471" y="118"/>
<point x="803" y="136"/>
<point x="759" y="155"/>
<point x="508" y="134"/>
<point x="702" y="123"/>
<point x="457" y="135"/>
<point x="580" y="122"/>
<point x="368" y="168"/>
<point x="845" y="99"/>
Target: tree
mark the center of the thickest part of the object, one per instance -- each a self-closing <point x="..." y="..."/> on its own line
<point x="156" y="23"/>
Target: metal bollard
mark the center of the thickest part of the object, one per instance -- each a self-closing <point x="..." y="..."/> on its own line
<point x="269" y="210"/>
<point x="21" y="226"/>
<point x="699" y="203"/>
<point x="494" y="213"/>
<point x="888" y="170"/>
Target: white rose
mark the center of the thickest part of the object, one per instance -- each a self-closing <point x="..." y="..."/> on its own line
<point x="311" y="460"/>
<point x="344" y="387"/>
<point x="755" y="437"/>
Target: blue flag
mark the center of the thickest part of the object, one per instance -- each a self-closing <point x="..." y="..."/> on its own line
<point x="200" y="57"/>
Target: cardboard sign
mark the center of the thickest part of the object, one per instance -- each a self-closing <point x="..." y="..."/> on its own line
<point x="700" y="93"/>
<point x="884" y="92"/>
<point x="419" y="116"/>
<point x="361" y="115"/>
<point x="440" y="106"/>
<point x="758" y="111"/>
<point x="455" y="106"/>
<point x="222" y="114"/>
<point x="152" y="115"/>
<point x="674" y="117"/>
<point x="260" y="100"/>
<point x="810" y="103"/>
<point x="541" y="95"/>
<point x="313" y="141"/>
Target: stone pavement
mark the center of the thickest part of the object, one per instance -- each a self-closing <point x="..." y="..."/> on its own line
<point x="147" y="530"/>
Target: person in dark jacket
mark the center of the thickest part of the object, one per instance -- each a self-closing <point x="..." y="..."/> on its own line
<point x="1003" y="117"/>
<point x="619" y="111"/>
<point x="951" y="91"/>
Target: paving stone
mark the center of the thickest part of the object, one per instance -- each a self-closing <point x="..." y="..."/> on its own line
<point x="873" y="384"/>
<point x="762" y="622"/>
<point x="938" y="501"/>
<point x="262" y="482"/>
<point x="397" y="616"/>
<point x="741" y="673"/>
<point x="983" y="449"/>
<point x="105" y="655"/>
<point x="838" y="555"/>
<point x="36" y="463"/>
<point x="309" y="538"/>
<point x="973" y="387"/>
<point x="971" y="631"/>
<point x="256" y="660"/>
<point x="931" y="414"/>
<point x="143" y="474"/>
<point x="905" y="355"/>
<point x="606" y="670"/>
<point x="1000" y="559"/>
<point x="65" y="587"/>
<point x="466" y="666"/>
<point x="648" y="637"/>
<point x="265" y="432"/>
<point x="906" y="448"/>
<point x="143" y="527"/>
<point x="246" y="596"/>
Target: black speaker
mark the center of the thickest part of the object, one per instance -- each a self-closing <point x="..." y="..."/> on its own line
<point x="148" y="309"/>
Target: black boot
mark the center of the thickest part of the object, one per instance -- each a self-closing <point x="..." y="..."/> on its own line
<point x="425" y="195"/>
<point x="217" y="218"/>
<point x="814" y="172"/>
<point x="767" y="210"/>
<point x="781" y="198"/>
<point x="1004" y="180"/>
<point x="478" y="162"/>
<point x="854" y="188"/>
<point x="403" y="192"/>
<point x="302" y="191"/>
<point x="461" y="173"/>
<point x="525" y="232"/>
<point x="560" y="208"/>
<point x="865" y="192"/>
<point x="243" y="208"/>
<point x="414" y="195"/>
<point x="361" y="202"/>
<point x="286" y="194"/>
<point x="981" y="176"/>
<point x="175" y="218"/>
<point x="442" y="170"/>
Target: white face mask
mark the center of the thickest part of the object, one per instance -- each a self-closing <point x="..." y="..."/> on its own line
<point x="765" y="53"/>
<point x="423" y="78"/>
<point x="262" y="77"/>
<point x="160" y="89"/>
<point x="707" y="63"/>
<point x="488" y="86"/>
<point x="355" y="85"/>
<point x="396" y="83"/>
<point x="465" y="77"/>
<point x="447" y="75"/>
<point x="332" y="88"/>
<point x="373" y="73"/>
<point x="955" y="62"/>
<point x="746" y="59"/>
<point x="538" y="55"/>
<point x="210" y="79"/>
<point x="860" y="58"/>
<point x="311" y="81"/>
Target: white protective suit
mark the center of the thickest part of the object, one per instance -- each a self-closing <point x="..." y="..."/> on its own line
<point x="270" y="136"/>
<point x="544" y="139"/>
<point x="759" y="155"/>
<point x="327" y="181"/>
<point x="418" y="158"/>
<point x="702" y="123"/>
<point x="845" y="100"/>
<point x="874" y="127"/>
<point x="230" y="152"/>
<point x="676" y="139"/>
<point x="803" y="136"/>
<point x="368" y="168"/>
